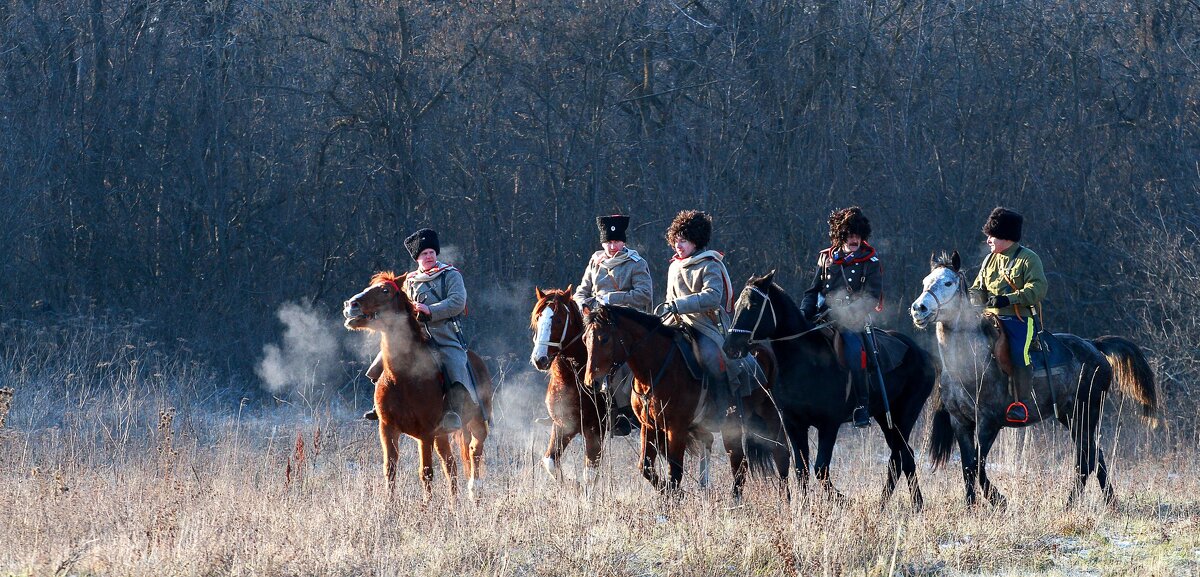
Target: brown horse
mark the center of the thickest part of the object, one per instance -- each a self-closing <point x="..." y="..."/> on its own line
<point x="408" y="395"/>
<point x="669" y="401"/>
<point x="557" y="325"/>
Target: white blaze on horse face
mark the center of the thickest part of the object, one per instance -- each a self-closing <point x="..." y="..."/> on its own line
<point x="541" y="337"/>
<point x="351" y="311"/>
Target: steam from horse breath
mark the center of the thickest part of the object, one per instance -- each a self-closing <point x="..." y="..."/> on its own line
<point x="307" y="357"/>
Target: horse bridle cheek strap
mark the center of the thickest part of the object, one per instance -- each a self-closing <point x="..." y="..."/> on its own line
<point x="560" y="342"/>
<point x="758" y="321"/>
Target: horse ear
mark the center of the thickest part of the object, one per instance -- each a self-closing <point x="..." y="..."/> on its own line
<point x="569" y="289"/>
<point x="770" y="278"/>
<point x="955" y="260"/>
<point x="537" y="291"/>
<point x="933" y="260"/>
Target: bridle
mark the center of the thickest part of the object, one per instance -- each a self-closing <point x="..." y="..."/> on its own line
<point x="774" y="322"/>
<point x="958" y="292"/>
<point x="561" y="343"/>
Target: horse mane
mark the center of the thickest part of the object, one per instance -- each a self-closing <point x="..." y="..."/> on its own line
<point x="788" y="306"/>
<point x="405" y="303"/>
<point x="557" y="294"/>
<point x="607" y="313"/>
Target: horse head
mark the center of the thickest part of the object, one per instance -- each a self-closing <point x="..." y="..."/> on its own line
<point x="606" y="347"/>
<point x="754" y="316"/>
<point x="378" y="305"/>
<point x="944" y="291"/>
<point x="556" y="323"/>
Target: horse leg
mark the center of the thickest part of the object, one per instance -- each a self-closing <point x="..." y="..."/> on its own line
<point x="593" y="447"/>
<point x="441" y="444"/>
<point x="389" y="438"/>
<point x="1110" y="499"/>
<point x="473" y="457"/>
<point x="677" y="442"/>
<point x="560" y="437"/>
<point x="826" y="438"/>
<point x="987" y="436"/>
<point x="731" y="437"/>
<point x="425" y="453"/>
<point x="798" y="434"/>
<point x="704" y="476"/>
<point x="649" y="453"/>
<point x="969" y="452"/>
<point x="902" y="459"/>
<point x="1083" y="432"/>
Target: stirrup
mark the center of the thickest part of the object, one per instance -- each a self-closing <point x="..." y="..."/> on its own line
<point x="1017" y="413"/>
<point x="450" y="422"/>
<point x="862" y="418"/>
<point x="371" y="415"/>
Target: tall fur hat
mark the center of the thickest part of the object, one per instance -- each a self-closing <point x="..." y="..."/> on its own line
<point x="421" y="240"/>
<point x="693" y="225"/>
<point x="612" y="227"/>
<point x="848" y="221"/>
<point x="1004" y="223"/>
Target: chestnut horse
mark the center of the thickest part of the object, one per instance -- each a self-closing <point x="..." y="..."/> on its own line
<point x="408" y="395"/>
<point x="557" y="325"/>
<point x="669" y="401"/>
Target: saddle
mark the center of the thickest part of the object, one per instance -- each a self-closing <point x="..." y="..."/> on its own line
<point x="891" y="349"/>
<point x="1054" y="356"/>
<point x="685" y="341"/>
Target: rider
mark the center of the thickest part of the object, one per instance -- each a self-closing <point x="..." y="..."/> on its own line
<point x="1011" y="284"/>
<point x="440" y="298"/>
<point x="849" y="284"/>
<point x="616" y="275"/>
<point x="700" y="296"/>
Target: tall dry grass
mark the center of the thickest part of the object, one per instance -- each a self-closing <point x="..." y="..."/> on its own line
<point x="118" y="460"/>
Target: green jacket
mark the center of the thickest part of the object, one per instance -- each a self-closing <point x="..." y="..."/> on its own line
<point x="1016" y="273"/>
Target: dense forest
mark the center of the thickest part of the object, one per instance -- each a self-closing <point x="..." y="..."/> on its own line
<point x="192" y="167"/>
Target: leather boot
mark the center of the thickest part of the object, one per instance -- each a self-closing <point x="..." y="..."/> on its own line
<point x="451" y="405"/>
<point x="862" y="414"/>
<point x="1017" y="412"/>
<point x="371" y="415"/>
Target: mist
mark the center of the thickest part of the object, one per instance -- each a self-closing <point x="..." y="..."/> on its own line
<point x="307" y="358"/>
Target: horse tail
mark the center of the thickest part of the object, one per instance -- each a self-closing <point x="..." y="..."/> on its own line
<point x="759" y="449"/>
<point x="941" y="433"/>
<point x="1132" y="373"/>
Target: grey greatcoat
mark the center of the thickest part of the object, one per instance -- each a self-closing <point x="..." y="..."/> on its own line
<point x="443" y="291"/>
<point x="623" y="280"/>
<point x="703" y="296"/>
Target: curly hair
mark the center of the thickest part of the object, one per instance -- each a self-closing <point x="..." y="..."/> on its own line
<point x="693" y="225"/>
<point x="843" y="223"/>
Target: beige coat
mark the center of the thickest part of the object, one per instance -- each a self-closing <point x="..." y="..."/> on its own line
<point x="703" y="295"/>
<point x="623" y="280"/>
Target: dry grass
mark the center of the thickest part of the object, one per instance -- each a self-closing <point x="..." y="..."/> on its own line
<point x="146" y="475"/>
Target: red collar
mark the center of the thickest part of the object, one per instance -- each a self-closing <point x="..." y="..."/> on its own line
<point x="866" y="256"/>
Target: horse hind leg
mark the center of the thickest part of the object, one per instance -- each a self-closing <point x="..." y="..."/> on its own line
<point x="473" y="458"/>
<point x="826" y="439"/>
<point x="593" y="449"/>
<point x="987" y="438"/>
<point x="560" y="438"/>
<point x="650" y="444"/>
<point x="449" y="464"/>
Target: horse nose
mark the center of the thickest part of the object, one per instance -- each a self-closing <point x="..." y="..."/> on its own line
<point x="918" y="307"/>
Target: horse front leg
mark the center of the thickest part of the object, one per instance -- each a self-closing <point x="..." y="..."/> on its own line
<point x="560" y="437"/>
<point x="901" y="460"/>
<point x="987" y="437"/>
<point x="593" y="448"/>
<point x="826" y="439"/>
<point x="389" y="439"/>
<point x="1083" y="433"/>
<point x="677" y="442"/>
<point x="798" y="435"/>
<point x="964" y="433"/>
<point x="649" y="454"/>
<point x="425" y="458"/>
<point x="731" y="437"/>
<point x="449" y="464"/>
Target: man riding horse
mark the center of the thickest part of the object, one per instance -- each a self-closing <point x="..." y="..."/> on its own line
<point x="848" y="286"/>
<point x="700" y="298"/>
<point x="1011" y="285"/>
<point x="616" y="275"/>
<point x="440" y="297"/>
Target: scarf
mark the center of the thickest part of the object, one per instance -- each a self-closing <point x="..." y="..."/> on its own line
<point x="624" y="255"/>
<point x="426" y="276"/>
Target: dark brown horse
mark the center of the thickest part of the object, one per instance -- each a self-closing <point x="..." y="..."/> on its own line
<point x="669" y="401"/>
<point x="408" y="395"/>
<point x="557" y="325"/>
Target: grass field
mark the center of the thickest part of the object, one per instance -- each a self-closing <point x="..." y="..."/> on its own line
<point x="147" y="468"/>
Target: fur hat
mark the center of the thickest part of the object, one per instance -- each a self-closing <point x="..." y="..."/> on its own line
<point x="1004" y="223"/>
<point x="848" y="221"/>
<point x="693" y="225"/>
<point x="418" y="241"/>
<point x="612" y="227"/>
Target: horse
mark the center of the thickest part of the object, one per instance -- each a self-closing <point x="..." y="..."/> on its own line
<point x="408" y="395"/>
<point x="973" y="393"/>
<point x="811" y="388"/>
<point x="670" y="402"/>
<point x="557" y="325"/>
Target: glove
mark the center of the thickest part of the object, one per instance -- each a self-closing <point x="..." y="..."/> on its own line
<point x="978" y="296"/>
<point x="601" y="299"/>
<point x="997" y="302"/>
<point x="589" y="303"/>
<point x="666" y="308"/>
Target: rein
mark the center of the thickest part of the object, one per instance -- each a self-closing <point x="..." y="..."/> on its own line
<point x="774" y="321"/>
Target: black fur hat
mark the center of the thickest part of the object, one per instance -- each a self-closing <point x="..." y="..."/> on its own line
<point x="693" y="225"/>
<point x="843" y="223"/>
<point x="421" y="240"/>
<point x="612" y="227"/>
<point x="1004" y="223"/>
